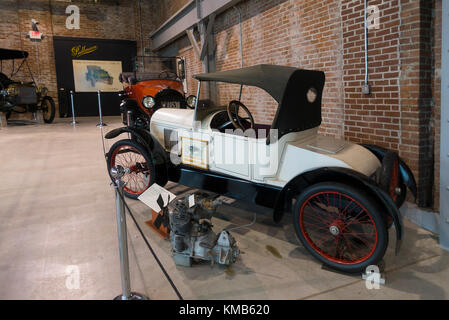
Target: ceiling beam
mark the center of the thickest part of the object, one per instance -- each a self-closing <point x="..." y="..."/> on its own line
<point x="193" y="41"/>
<point x="187" y="17"/>
<point x="208" y="32"/>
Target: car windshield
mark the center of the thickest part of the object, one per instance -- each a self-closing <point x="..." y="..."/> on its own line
<point x="156" y="64"/>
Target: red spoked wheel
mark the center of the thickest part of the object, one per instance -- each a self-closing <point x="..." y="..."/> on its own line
<point x="341" y="226"/>
<point x="137" y="163"/>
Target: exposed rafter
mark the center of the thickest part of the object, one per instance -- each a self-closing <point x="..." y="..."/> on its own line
<point x="186" y="18"/>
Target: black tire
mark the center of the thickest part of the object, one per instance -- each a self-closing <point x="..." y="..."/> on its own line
<point x="48" y="109"/>
<point x="326" y="216"/>
<point x="142" y="173"/>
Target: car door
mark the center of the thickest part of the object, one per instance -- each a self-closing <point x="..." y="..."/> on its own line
<point x="230" y="154"/>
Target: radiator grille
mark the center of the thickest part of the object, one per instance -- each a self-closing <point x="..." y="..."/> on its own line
<point x="27" y="95"/>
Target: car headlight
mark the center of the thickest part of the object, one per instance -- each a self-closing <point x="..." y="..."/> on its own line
<point x="44" y="91"/>
<point x="12" y="91"/>
<point x="148" y="102"/>
<point x="191" y="101"/>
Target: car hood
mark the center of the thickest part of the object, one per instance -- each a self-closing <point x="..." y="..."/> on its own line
<point x="161" y="84"/>
<point x="182" y="118"/>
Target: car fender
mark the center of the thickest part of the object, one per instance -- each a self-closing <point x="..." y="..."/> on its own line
<point x="129" y="103"/>
<point x="406" y="174"/>
<point x="343" y="175"/>
<point x="150" y="143"/>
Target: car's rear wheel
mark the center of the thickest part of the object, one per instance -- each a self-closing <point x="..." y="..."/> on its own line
<point x="48" y="109"/>
<point x="340" y="226"/>
<point x="137" y="163"/>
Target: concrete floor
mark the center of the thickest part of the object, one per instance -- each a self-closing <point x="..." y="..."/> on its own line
<point x="57" y="217"/>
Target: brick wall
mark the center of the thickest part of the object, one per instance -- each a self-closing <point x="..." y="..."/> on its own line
<point x="106" y="20"/>
<point x="279" y="32"/>
<point x="149" y="15"/>
<point x="403" y="62"/>
<point x="371" y="118"/>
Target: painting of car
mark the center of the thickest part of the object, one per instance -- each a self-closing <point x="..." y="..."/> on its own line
<point x="343" y="196"/>
<point x="96" y="74"/>
<point x="156" y="82"/>
<point x="20" y="96"/>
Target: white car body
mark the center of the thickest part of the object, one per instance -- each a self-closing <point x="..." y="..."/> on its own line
<point x="294" y="153"/>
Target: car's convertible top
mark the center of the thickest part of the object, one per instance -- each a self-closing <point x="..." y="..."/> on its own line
<point x="289" y="86"/>
<point x="7" y="54"/>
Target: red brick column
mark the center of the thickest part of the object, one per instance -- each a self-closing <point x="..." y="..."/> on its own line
<point x="416" y="94"/>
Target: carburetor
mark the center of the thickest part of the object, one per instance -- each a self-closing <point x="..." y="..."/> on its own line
<point x="191" y="234"/>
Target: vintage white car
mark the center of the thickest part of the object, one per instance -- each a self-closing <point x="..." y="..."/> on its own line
<point x="343" y="196"/>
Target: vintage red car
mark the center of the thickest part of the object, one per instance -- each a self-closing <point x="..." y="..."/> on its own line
<point x="157" y="82"/>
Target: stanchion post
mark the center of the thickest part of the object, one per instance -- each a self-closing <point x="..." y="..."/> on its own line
<point x="3" y="121"/>
<point x="38" y="116"/>
<point x="101" y="124"/>
<point x="73" y="109"/>
<point x="117" y="173"/>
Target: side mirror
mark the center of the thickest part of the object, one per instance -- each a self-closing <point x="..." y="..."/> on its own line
<point x="181" y="68"/>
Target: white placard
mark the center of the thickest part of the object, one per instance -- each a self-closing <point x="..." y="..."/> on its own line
<point x="226" y="200"/>
<point x="191" y="200"/>
<point x="195" y="152"/>
<point x="150" y="196"/>
<point x="94" y="75"/>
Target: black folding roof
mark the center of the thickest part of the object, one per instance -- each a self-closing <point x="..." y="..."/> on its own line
<point x="273" y="79"/>
<point x="289" y="86"/>
<point x="7" y="54"/>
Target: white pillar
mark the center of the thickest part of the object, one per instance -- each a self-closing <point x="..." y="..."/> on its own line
<point x="444" y="136"/>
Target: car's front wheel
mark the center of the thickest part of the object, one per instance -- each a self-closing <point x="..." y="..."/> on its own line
<point x="341" y="226"/>
<point x="48" y="109"/>
<point x="138" y="165"/>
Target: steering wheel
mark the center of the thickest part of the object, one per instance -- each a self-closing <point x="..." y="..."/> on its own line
<point x="233" y="114"/>
<point x="168" y="75"/>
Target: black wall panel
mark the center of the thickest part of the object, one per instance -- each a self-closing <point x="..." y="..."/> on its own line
<point x="86" y="103"/>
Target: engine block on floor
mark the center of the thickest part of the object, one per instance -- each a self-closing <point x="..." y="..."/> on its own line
<point x="191" y="235"/>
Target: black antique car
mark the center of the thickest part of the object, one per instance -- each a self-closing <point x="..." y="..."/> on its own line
<point x="19" y="96"/>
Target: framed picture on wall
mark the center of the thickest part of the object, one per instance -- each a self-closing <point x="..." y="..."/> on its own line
<point x="94" y="75"/>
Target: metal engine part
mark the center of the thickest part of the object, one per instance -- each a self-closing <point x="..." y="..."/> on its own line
<point x="191" y="235"/>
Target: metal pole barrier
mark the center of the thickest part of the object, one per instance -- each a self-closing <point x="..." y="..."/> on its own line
<point x="73" y="109"/>
<point x="101" y="124"/>
<point x="38" y="116"/>
<point x="117" y="173"/>
<point x="3" y="121"/>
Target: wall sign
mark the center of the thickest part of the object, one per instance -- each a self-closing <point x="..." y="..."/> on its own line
<point x="108" y="50"/>
<point x="73" y="20"/>
<point x="34" y="34"/>
<point x="79" y="50"/>
<point x="94" y="75"/>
